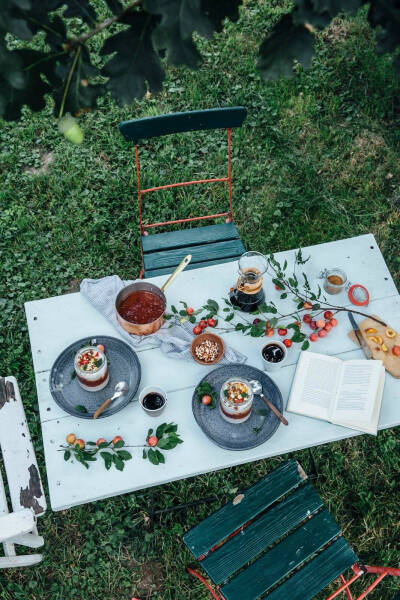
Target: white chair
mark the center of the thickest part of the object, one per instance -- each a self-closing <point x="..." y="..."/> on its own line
<point x="23" y="478"/>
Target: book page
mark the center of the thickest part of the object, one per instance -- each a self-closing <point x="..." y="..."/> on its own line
<point x="315" y="385"/>
<point x="357" y="392"/>
<point x="366" y="408"/>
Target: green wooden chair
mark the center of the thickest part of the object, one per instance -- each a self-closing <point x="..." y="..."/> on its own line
<point x="208" y="245"/>
<point x="276" y="541"/>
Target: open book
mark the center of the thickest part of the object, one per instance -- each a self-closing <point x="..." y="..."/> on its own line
<point x="347" y="393"/>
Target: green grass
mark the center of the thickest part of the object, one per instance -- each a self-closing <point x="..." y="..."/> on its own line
<point x="316" y="160"/>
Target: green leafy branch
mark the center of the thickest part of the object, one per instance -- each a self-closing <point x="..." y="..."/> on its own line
<point x="268" y="317"/>
<point x="110" y="452"/>
<point x="114" y="453"/>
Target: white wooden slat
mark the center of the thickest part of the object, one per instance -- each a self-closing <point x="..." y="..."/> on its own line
<point x="16" y="524"/>
<point x="71" y="484"/>
<point x="8" y="547"/>
<point x="19" y="458"/>
<point x="26" y="560"/>
<point x="72" y="317"/>
<point x="29" y="539"/>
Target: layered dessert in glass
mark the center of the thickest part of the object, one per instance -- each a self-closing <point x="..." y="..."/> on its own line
<point x="91" y="368"/>
<point x="236" y="400"/>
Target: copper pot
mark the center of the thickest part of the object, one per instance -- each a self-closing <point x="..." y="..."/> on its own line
<point x="145" y="286"/>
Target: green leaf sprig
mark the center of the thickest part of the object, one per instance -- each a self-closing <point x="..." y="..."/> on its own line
<point x="205" y="389"/>
<point x="165" y="438"/>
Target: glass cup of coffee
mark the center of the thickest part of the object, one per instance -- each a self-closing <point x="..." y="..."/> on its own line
<point x="153" y="400"/>
<point x="274" y="355"/>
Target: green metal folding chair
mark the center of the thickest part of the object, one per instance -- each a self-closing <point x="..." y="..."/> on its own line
<point x="276" y="541"/>
<point x="208" y="245"/>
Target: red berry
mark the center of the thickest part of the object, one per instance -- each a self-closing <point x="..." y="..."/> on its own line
<point x="269" y="331"/>
<point x="81" y="444"/>
<point x="212" y="322"/>
<point x="152" y="440"/>
<point x="328" y="327"/>
<point x="282" y="331"/>
<point x="320" y="323"/>
<point x="333" y="322"/>
<point x="203" y="324"/>
<point x="313" y="324"/>
<point x="307" y="318"/>
<point x="287" y="342"/>
<point x="100" y="347"/>
<point x="298" y="324"/>
<point x="278" y="288"/>
<point x="117" y="438"/>
<point x="328" y="314"/>
<point x="256" y="321"/>
<point x="206" y="399"/>
<point x="189" y="310"/>
<point x="197" y="329"/>
<point x="307" y="305"/>
<point x="101" y="441"/>
<point x="313" y="337"/>
<point x="396" y="350"/>
<point x="322" y="333"/>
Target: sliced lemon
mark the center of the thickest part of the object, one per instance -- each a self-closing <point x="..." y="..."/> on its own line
<point x="370" y="330"/>
<point x="384" y="347"/>
<point x="373" y="339"/>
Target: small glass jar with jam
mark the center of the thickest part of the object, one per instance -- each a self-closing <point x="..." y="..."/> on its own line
<point x="335" y="280"/>
<point x="91" y="368"/>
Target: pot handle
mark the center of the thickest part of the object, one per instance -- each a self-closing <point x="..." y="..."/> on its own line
<point x="178" y="269"/>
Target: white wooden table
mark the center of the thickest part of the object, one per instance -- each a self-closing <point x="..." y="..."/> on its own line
<point x="54" y="323"/>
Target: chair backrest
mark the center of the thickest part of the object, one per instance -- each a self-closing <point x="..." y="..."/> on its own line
<point x="215" y="118"/>
<point x="196" y="120"/>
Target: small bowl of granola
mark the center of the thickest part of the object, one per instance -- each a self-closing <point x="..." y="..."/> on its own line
<point x="207" y="349"/>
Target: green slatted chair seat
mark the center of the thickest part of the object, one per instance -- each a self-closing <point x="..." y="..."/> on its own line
<point x="209" y="245"/>
<point x="275" y="541"/>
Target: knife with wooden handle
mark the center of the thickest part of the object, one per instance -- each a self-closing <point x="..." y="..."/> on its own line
<point x="361" y="341"/>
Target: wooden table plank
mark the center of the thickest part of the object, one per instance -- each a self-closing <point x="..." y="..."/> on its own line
<point x="56" y="322"/>
<point x="205" y="456"/>
<point x="172" y="374"/>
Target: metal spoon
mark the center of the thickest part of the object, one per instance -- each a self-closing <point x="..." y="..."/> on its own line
<point x="120" y="389"/>
<point x="257" y="389"/>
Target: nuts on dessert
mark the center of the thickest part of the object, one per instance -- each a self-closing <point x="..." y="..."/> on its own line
<point x="207" y="351"/>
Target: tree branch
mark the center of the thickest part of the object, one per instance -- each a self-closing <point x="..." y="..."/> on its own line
<point x="82" y="39"/>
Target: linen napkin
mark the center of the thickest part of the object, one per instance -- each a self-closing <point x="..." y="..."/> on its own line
<point x="173" y="341"/>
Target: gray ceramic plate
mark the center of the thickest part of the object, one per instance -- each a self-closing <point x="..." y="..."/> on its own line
<point x="71" y="397"/>
<point x="244" y="435"/>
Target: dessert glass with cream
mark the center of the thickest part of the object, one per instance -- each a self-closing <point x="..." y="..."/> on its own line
<point x="91" y="368"/>
<point x="236" y="400"/>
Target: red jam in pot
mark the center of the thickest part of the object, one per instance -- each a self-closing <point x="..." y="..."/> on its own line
<point x="141" y="307"/>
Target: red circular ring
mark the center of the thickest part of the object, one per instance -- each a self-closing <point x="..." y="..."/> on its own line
<point x="351" y="296"/>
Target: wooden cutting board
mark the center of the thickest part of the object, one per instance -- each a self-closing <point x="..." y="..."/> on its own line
<point x="390" y="362"/>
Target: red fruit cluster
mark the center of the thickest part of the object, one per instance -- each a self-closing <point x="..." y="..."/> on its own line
<point x="321" y="327"/>
<point x="203" y="324"/>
